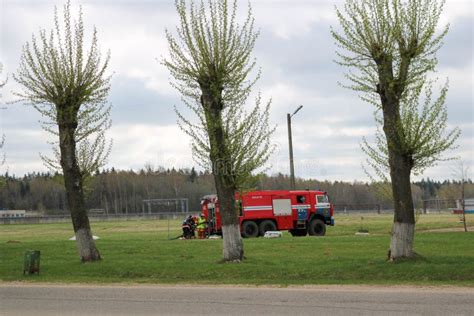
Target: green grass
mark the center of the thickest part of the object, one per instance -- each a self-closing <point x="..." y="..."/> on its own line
<point x="140" y="252"/>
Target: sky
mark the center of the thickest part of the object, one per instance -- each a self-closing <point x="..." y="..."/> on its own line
<point x="295" y="52"/>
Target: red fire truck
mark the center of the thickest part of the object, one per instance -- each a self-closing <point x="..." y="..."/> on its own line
<point x="299" y="212"/>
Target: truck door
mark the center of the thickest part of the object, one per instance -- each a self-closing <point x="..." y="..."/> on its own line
<point x="211" y="217"/>
<point x="323" y="207"/>
<point x="214" y="223"/>
<point x="302" y="207"/>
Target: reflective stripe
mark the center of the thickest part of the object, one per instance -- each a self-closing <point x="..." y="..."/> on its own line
<point x="270" y="207"/>
<point x="258" y="208"/>
<point x="301" y="206"/>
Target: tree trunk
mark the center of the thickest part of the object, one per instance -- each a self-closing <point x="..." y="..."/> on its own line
<point x="403" y="230"/>
<point x="463" y="200"/>
<point x="400" y="162"/>
<point x="75" y="196"/>
<point x="233" y="249"/>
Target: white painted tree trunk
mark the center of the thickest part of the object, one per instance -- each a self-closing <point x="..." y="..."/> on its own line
<point x="86" y="246"/>
<point x="233" y="248"/>
<point x="402" y="240"/>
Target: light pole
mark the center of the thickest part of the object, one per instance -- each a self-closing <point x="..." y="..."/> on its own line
<point x="292" y="167"/>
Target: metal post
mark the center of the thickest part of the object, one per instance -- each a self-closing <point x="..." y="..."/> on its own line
<point x="290" y="142"/>
<point x="168" y="216"/>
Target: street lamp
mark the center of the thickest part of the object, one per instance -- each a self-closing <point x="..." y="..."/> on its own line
<point x="292" y="167"/>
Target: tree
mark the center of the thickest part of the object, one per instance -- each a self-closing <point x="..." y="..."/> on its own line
<point x="67" y="85"/>
<point x="210" y="60"/>
<point x="392" y="45"/>
<point x="461" y="173"/>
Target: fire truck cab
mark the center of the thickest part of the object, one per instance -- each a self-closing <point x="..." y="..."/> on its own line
<point x="300" y="212"/>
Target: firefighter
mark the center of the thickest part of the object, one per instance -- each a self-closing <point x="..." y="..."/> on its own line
<point x="201" y="226"/>
<point x="188" y="227"/>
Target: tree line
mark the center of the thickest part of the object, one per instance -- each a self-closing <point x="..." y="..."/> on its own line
<point x="122" y="191"/>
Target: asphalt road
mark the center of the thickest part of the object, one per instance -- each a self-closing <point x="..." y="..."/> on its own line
<point x="18" y="299"/>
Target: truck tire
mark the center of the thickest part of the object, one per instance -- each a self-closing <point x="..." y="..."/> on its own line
<point x="317" y="227"/>
<point x="266" y="225"/>
<point x="298" y="232"/>
<point x="249" y="229"/>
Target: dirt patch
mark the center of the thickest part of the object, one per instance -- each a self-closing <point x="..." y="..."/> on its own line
<point x="445" y="230"/>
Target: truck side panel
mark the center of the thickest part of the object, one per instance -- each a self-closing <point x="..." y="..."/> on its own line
<point x="282" y="212"/>
<point x="257" y="207"/>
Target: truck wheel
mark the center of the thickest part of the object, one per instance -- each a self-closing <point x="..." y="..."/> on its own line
<point x="317" y="227"/>
<point x="249" y="229"/>
<point x="266" y="225"/>
<point x="298" y="232"/>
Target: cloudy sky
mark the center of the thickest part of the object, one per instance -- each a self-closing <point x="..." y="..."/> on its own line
<point x="295" y="53"/>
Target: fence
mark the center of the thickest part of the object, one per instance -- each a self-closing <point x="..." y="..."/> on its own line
<point x="180" y="205"/>
<point x="92" y="218"/>
<point x="438" y="205"/>
<point x="360" y="208"/>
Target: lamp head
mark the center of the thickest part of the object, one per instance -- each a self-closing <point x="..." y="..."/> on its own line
<point x="296" y="111"/>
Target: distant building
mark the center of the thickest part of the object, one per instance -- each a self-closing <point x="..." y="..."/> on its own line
<point x="468" y="204"/>
<point x="12" y="213"/>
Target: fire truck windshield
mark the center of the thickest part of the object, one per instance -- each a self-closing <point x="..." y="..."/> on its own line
<point x="322" y="199"/>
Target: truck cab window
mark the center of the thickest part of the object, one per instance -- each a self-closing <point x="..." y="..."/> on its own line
<point x="322" y="199"/>
<point x="300" y="199"/>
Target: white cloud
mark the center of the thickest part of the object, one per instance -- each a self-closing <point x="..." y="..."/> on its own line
<point x="295" y="51"/>
<point x="288" y="19"/>
<point x="455" y="9"/>
<point x="22" y="148"/>
<point x="135" y="145"/>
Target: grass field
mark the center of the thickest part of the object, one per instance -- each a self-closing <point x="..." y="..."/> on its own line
<point x="140" y="252"/>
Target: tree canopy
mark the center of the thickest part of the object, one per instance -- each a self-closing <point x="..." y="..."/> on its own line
<point x="212" y="50"/>
<point x="67" y="84"/>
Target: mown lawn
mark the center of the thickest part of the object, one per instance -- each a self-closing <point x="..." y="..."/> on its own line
<point x="140" y="252"/>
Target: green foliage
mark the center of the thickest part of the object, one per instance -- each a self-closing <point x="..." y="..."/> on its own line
<point x="423" y="131"/>
<point x="212" y="53"/>
<point x="392" y="45"/>
<point x="402" y="31"/>
<point x="67" y="86"/>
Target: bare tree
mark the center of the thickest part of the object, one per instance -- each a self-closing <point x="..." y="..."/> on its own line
<point x="392" y="45"/>
<point x="462" y="173"/>
<point x="68" y="86"/>
<point x="210" y="60"/>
